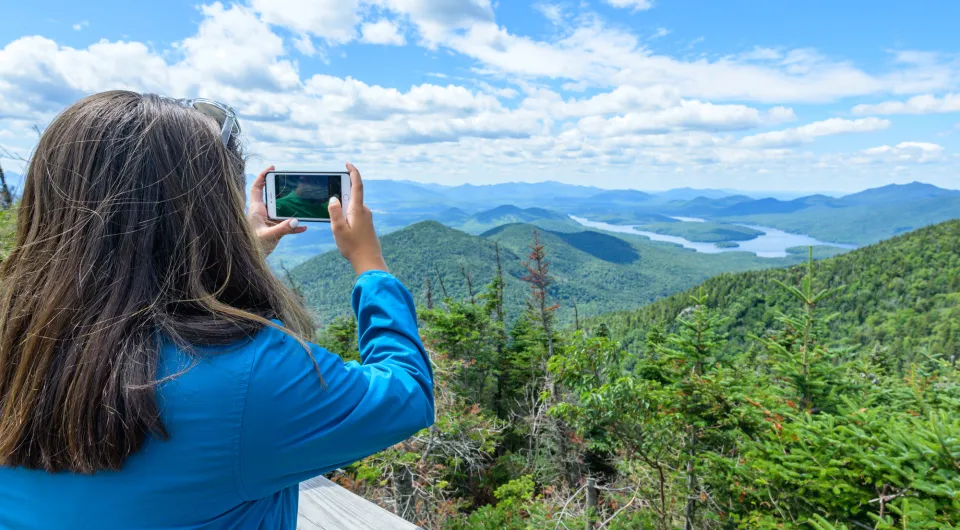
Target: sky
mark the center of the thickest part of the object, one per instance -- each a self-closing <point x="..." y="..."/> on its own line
<point x="818" y="95"/>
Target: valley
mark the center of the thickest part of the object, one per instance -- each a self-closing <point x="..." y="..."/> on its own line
<point x="596" y="271"/>
<point x="710" y="221"/>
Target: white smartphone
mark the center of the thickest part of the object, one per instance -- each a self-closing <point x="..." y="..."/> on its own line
<point x="305" y="195"/>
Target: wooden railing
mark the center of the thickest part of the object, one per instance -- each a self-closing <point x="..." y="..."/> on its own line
<point x="327" y="506"/>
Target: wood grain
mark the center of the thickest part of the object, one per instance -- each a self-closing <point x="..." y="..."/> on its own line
<point x="326" y="506"/>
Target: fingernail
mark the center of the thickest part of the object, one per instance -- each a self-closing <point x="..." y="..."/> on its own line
<point x="294" y="223"/>
<point x="334" y="199"/>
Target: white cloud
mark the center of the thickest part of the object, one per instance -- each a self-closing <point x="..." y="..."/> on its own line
<point x="807" y="133"/>
<point x="436" y="19"/>
<point x="922" y="104"/>
<point x="603" y="56"/>
<point x="304" y="44"/>
<point x="505" y="93"/>
<point x="552" y="12"/>
<point x="333" y="20"/>
<point x="661" y="32"/>
<point x="920" y="152"/>
<point x="636" y="5"/>
<point x="590" y="95"/>
<point x="363" y="101"/>
<point x="80" y="25"/>
<point x="687" y="115"/>
<point x="382" y="32"/>
<point x="235" y="47"/>
<point x="39" y="77"/>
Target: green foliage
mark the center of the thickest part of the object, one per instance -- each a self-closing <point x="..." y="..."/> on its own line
<point x="819" y="251"/>
<point x="707" y="419"/>
<point x="900" y="298"/>
<point x="799" y="358"/>
<point x="464" y="332"/>
<point x="8" y="229"/>
<point x="599" y="272"/>
<point x="340" y="337"/>
<point x="515" y="492"/>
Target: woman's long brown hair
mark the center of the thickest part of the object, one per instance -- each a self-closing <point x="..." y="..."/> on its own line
<point x="131" y="227"/>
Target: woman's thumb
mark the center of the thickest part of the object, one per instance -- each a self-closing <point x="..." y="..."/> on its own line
<point x="337" y="221"/>
<point x="279" y="230"/>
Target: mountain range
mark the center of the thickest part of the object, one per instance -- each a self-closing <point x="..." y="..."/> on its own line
<point x="857" y="219"/>
<point x="596" y="271"/>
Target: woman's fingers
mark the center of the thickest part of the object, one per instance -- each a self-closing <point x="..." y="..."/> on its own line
<point x="277" y="231"/>
<point x="356" y="185"/>
<point x="256" y="191"/>
<point x="337" y="220"/>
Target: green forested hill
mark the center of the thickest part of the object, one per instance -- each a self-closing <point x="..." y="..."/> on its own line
<point x="902" y="295"/>
<point x="414" y="253"/>
<point x="596" y="271"/>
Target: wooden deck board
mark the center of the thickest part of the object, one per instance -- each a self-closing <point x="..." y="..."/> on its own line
<point x="326" y="506"/>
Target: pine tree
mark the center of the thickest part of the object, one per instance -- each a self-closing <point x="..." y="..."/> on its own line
<point x="539" y="278"/>
<point x="689" y="363"/>
<point x="492" y="300"/>
<point x="800" y="357"/>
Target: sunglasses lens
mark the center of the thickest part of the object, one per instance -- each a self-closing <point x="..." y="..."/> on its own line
<point x="211" y="110"/>
<point x="218" y="113"/>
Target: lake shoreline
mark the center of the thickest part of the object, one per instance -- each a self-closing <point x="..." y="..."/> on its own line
<point x="774" y="243"/>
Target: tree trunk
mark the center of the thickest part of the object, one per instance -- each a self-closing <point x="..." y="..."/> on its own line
<point x="691" y="481"/>
<point x="429" y="293"/>
<point x="591" y="501"/>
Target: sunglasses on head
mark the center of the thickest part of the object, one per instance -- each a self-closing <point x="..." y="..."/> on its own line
<point x="225" y="116"/>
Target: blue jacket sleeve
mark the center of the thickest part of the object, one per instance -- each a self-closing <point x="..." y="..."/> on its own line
<point x="297" y="426"/>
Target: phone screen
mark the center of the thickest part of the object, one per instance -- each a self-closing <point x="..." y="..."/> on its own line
<point x="305" y="195"/>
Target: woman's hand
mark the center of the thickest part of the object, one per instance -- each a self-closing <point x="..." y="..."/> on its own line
<point x="268" y="231"/>
<point x="354" y="233"/>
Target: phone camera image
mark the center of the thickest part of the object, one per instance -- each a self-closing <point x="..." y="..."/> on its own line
<point x="306" y="196"/>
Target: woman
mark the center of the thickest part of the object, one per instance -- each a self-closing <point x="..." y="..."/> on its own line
<point x="153" y="372"/>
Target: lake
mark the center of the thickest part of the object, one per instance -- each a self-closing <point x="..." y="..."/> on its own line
<point x="772" y="244"/>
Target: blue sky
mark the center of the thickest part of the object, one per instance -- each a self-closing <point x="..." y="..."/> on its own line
<point x="647" y="94"/>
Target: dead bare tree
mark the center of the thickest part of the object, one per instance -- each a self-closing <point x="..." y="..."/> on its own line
<point x="576" y="315"/>
<point x="429" y="292"/>
<point x="466" y="275"/>
<point x="294" y="285"/>
<point x="440" y="279"/>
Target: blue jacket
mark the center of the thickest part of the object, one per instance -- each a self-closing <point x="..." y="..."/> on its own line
<point x="247" y="424"/>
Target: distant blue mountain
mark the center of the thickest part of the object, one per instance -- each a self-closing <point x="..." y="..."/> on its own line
<point x="902" y="193"/>
<point x="859" y="218"/>
<point x="391" y="192"/>
<point x="451" y="215"/>
<point x="705" y="206"/>
<point x="526" y="214"/>
<point x="899" y="192"/>
<point x="686" y="194"/>
<point x="770" y="205"/>
<point x="517" y="192"/>
<point x="620" y="196"/>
